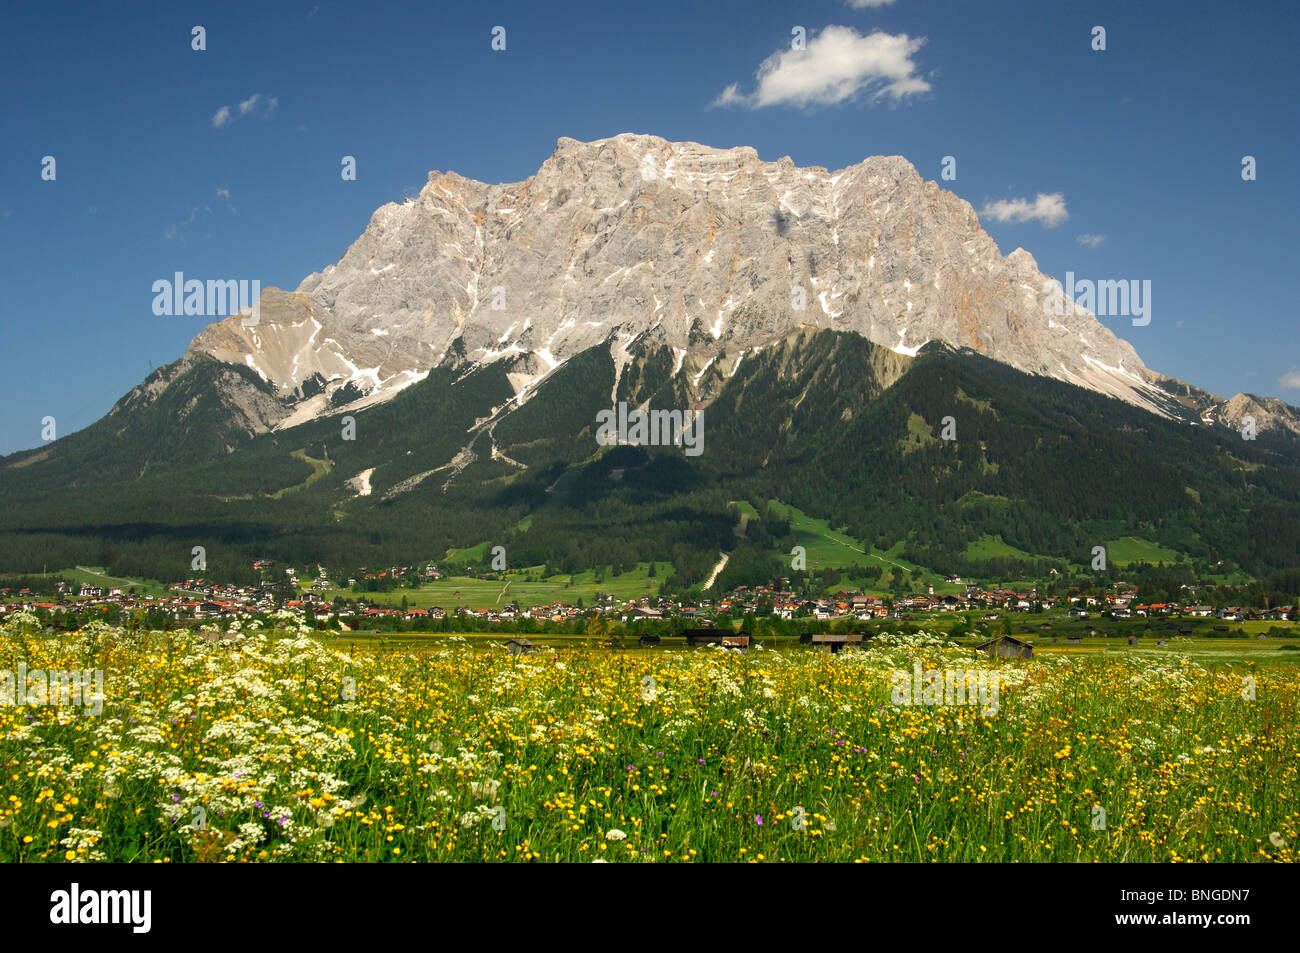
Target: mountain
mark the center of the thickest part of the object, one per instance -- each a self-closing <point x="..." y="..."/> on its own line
<point x="823" y="420"/>
<point x="441" y="386"/>
<point x="717" y="252"/>
<point x="712" y="251"/>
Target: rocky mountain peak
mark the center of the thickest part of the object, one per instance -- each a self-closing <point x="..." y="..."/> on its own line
<point x="714" y="250"/>
<point x="1269" y="415"/>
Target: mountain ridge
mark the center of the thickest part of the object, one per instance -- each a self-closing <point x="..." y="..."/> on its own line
<point x="719" y="249"/>
<point x="388" y="410"/>
<point x="842" y="428"/>
<point x="312" y="361"/>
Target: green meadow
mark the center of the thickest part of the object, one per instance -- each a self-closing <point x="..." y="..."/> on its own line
<point x="524" y="587"/>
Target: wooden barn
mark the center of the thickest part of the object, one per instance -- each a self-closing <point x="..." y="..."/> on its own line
<point x="520" y="647"/>
<point x="703" y="636"/>
<point x="648" y="640"/>
<point x="1008" y="646"/>
<point x="834" y="643"/>
<point x="724" y="637"/>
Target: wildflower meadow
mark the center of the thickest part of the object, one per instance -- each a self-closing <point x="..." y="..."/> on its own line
<point x="274" y="746"/>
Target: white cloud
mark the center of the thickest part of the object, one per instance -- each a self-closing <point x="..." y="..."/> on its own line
<point x="1290" y="380"/>
<point x="730" y="96"/>
<point x="249" y="107"/>
<point x="181" y="228"/>
<point x="836" y="65"/>
<point x="1048" y="209"/>
<point x="864" y="4"/>
<point x="1092" y="241"/>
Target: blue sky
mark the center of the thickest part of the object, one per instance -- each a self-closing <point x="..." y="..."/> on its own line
<point x="1140" y="145"/>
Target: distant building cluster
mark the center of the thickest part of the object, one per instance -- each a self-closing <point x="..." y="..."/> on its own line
<point x="200" y="599"/>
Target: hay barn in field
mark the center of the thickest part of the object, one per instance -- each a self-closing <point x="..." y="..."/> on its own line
<point x="834" y="643"/>
<point x="703" y="636"/>
<point x="1008" y="646"/>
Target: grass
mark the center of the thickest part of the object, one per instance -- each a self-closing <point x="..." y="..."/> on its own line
<point x="1273" y="652"/>
<point x="991" y="547"/>
<point x="919" y="434"/>
<point x="521" y="587"/>
<point x="828" y="548"/>
<point x="1131" y="549"/>
<point x="94" y="576"/>
<point x="833" y="549"/>
<point x="318" y="469"/>
<point x="277" y="747"/>
<point x="469" y="554"/>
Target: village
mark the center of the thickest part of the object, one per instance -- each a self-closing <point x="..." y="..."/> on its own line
<point x="203" y="602"/>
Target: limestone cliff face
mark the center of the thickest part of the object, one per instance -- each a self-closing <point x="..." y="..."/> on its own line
<point x="1270" y="414"/>
<point x="712" y="251"/>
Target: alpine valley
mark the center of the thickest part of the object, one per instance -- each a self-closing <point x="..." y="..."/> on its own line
<point x="439" y="388"/>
